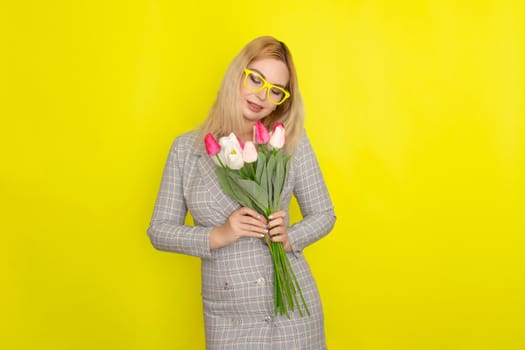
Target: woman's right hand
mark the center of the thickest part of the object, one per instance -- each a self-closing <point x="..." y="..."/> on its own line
<point x="244" y="222"/>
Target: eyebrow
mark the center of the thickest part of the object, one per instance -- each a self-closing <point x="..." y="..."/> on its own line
<point x="262" y="75"/>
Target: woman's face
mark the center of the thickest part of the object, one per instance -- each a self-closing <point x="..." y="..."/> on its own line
<point x="255" y="105"/>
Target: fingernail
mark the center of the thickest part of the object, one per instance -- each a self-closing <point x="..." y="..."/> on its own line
<point x="270" y="217"/>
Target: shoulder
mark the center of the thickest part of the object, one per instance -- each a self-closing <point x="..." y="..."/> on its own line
<point x="188" y="139"/>
<point x="304" y="147"/>
<point x="304" y="156"/>
<point x="186" y="147"/>
<point x="189" y="142"/>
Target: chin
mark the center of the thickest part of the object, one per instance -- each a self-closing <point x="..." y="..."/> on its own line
<point x="252" y="119"/>
<point x="251" y="116"/>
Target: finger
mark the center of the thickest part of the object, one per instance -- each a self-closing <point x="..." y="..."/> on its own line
<point x="277" y="214"/>
<point x="254" y="229"/>
<point x="276" y="222"/>
<point x="278" y="231"/>
<point x="250" y="212"/>
<point x="248" y="220"/>
<point x="238" y="218"/>
<point x="278" y="238"/>
<point x="250" y="232"/>
<point x="254" y="235"/>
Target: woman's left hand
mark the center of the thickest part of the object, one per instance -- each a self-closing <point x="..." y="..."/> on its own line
<point x="278" y="230"/>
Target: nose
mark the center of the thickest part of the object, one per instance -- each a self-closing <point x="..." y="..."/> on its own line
<point x="262" y="94"/>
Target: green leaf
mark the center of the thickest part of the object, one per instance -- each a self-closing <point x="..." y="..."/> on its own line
<point x="248" y="167"/>
<point x="286" y="164"/>
<point x="222" y="175"/>
<point x="261" y="165"/>
<point x="256" y="192"/>
<point x="278" y="181"/>
<point x="242" y="198"/>
<point x="229" y="186"/>
<point x="270" y="172"/>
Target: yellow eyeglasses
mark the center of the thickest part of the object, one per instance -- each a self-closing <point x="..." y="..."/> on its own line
<point x="254" y="82"/>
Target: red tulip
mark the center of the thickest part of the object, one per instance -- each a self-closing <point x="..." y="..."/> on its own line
<point x="261" y="133"/>
<point x="212" y="146"/>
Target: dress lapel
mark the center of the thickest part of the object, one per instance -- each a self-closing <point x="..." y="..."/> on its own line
<point x="207" y="169"/>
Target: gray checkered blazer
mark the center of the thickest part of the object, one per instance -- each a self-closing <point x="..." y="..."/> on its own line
<point x="237" y="280"/>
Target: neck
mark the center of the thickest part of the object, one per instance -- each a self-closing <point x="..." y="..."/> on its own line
<point x="246" y="136"/>
<point x="247" y="133"/>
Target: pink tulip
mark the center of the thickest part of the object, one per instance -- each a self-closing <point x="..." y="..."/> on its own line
<point x="212" y="146"/>
<point x="278" y="136"/>
<point x="261" y="133"/>
<point x="249" y="152"/>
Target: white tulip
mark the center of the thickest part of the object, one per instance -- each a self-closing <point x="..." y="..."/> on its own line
<point x="231" y="151"/>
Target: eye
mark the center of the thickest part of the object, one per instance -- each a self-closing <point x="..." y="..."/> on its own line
<point x="277" y="92"/>
<point x="255" y="79"/>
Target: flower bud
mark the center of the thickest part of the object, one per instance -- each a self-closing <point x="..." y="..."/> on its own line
<point x="231" y="151"/>
<point x="212" y="146"/>
<point x="249" y="152"/>
<point x="278" y="136"/>
<point x="261" y="133"/>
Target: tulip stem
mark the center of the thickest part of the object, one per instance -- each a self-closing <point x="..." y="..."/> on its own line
<point x="254" y="178"/>
<point x="220" y="161"/>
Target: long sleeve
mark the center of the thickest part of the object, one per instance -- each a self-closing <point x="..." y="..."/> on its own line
<point x="313" y="199"/>
<point x="167" y="230"/>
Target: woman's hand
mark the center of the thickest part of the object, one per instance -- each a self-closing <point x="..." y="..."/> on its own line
<point x="244" y="222"/>
<point x="278" y="229"/>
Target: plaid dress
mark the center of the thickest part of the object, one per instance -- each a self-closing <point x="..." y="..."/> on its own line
<point x="237" y="280"/>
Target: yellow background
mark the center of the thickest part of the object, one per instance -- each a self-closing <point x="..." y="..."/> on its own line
<point x="416" y="112"/>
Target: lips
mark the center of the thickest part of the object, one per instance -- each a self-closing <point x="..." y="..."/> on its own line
<point x="254" y="107"/>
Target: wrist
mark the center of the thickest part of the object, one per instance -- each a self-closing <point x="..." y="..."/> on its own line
<point x="217" y="238"/>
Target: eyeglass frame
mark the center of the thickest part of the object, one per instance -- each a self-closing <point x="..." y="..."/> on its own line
<point x="266" y="85"/>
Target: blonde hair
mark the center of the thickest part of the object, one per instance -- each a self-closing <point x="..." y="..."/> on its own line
<point x="225" y="116"/>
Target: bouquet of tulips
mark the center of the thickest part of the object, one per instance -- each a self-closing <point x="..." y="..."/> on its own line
<point x="254" y="174"/>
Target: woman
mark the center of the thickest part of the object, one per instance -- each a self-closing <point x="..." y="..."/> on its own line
<point x="237" y="272"/>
